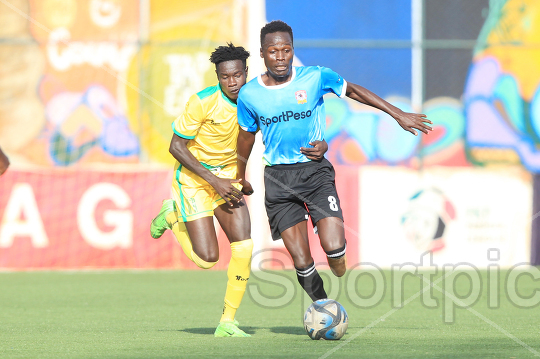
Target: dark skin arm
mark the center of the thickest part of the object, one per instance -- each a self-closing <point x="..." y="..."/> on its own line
<point x="411" y="122"/>
<point x="223" y="186"/>
<point x="245" y="145"/>
<point x="4" y="162"/>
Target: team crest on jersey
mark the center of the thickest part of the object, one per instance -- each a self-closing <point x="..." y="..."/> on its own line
<point x="301" y="96"/>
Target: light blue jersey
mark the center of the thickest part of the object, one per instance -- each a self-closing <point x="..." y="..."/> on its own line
<point x="290" y="115"/>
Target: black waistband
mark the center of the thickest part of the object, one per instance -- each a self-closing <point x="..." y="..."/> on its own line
<point x="295" y="166"/>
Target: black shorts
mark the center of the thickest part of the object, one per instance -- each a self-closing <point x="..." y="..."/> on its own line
<point x="295" y="192"/>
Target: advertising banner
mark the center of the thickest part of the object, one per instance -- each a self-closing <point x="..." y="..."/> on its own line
<point x="61" y="219"/>
<point x="469" y="215"/>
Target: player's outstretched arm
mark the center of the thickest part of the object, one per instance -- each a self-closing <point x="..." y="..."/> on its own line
<point x="245" y="145"/>
<point x="4" y="162"/>
<point x="408" y="121"/>
<point x="223" y="186"/>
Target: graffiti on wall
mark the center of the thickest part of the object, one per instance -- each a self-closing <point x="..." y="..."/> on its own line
<point x="175" y="64"/>
<point x="86" y="83"/>
<point x="88" y="86"/>
<point x="359" y="135"/>
<point x="497" y="120"/>
<point x="87" y="46"/>
<point x="502" y="94"/>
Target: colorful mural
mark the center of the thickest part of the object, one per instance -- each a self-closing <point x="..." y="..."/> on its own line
<point x="90" y="84"/>
<point x="174" y="64"/>
<point x="359" y="135"/>
<point x="496" y="122"/>
<point x="502" y="95"/>
<point x="87" y="46"/>
<point x="22" y="63"/>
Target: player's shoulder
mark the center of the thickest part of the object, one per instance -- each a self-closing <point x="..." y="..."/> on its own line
<point x="206" y="93"/>
<point x="249" y="89"/>
<point x="308" y="73"/>
<point x="253" y="83"/>
<point x="310" y="70"/>
<point x="307" y="68"/>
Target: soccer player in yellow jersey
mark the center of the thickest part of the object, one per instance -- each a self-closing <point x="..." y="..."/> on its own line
<point x="205" y="184"/>
<point x="204" y="144"/>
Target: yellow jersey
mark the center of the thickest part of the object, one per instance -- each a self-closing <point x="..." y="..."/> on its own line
<point x="210" y="123"/>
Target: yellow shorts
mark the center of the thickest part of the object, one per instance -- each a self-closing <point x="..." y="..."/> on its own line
<point x="194" y="197"/>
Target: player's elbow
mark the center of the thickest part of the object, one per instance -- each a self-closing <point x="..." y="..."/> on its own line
<point x="4" y="165"/>
<point x="175" y="150"/>
<point x="172" y="150"/>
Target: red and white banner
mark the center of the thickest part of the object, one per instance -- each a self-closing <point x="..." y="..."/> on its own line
<point x="86" y="219"/>
<point x="74" y="219"/>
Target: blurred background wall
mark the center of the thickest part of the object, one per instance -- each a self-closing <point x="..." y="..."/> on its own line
<point x="89" y="89"/>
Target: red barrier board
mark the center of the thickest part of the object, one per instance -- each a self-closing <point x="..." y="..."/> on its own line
<point x="83" y="219"/>
<point x="76" y="219"/>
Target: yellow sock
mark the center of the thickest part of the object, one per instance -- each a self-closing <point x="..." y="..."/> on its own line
<point x="238" y="273"/>
<point x="182" y="236"/>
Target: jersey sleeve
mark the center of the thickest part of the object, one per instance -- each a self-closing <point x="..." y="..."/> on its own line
<point x="187" y="125"/>
<point x="247" y="119"/>
<point x="332" y="82"/>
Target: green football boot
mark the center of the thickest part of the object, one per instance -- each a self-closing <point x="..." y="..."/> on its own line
<point x="159" y="224"/>
<point x="230" y="329"/>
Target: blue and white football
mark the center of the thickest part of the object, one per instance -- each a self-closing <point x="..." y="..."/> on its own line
<point x="326" y="319"/>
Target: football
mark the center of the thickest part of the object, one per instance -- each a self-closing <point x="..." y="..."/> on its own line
<point x="326" y="319"/>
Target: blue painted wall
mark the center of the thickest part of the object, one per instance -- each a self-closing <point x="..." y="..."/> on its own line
<point x="387" y="72"/>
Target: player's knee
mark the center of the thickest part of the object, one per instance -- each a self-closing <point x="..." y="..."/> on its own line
<point x="207" y="253"/>
<point x="202" y="262"/>
<point x="336" y="250"/>
<point x="210" y="257"/>
<point x="302" y="261"/>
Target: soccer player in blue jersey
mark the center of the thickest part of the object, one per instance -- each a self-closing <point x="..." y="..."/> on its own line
<point x="205" y="184"/>
<point x="286" y="105"/>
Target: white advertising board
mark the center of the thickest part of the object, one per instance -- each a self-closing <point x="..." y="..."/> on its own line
<point x="478" y="216"/>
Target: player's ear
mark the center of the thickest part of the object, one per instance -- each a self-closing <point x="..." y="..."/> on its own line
<point x="246" y="70"/>
<point x="261" y="52"/>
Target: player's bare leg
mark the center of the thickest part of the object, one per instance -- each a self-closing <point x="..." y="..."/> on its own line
<point x="234" y="221"/>
<point x="296" y="241"/>
<point x="203" y="239"/>
<point x="236" y="224"/>
<point x="332" y="236"/>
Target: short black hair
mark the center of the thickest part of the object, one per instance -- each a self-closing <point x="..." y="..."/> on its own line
<point x="228" y="53"/>
<point x="275" y="26"/>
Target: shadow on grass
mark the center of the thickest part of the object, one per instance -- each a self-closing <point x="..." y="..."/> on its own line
<point x="288" y="330"/>
<point x="249" y="330"/>
<point x="198" y="330"/>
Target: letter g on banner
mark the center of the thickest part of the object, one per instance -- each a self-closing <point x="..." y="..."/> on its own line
<point x="122" y="219"/>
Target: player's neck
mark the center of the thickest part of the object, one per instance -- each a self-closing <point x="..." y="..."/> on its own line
<point x="270" y="80"/>
<point x="230" y="99"/>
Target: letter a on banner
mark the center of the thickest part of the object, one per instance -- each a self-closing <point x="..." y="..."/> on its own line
<point x="22" y="204"/>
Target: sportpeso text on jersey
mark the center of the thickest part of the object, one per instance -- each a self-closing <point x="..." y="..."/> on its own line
<point x="285" y="116"/>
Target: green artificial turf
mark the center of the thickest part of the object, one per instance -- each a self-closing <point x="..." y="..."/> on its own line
<point x="173" y="314"/>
